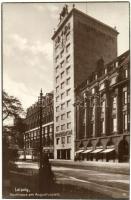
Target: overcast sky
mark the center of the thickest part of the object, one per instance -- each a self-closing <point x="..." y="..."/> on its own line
<point x="27" y="44"/>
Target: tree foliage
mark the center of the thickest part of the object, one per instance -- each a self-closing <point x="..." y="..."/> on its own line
<point x="12" y="107"/>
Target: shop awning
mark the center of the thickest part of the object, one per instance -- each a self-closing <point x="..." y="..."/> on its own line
<point x="97" y="150"/>
<point x="79" y="151"/>
<point x="108" y="150"/>
<point x="87" y="151"/>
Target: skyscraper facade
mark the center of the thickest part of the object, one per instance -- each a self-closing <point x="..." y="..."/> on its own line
<point x="78" y="43"/>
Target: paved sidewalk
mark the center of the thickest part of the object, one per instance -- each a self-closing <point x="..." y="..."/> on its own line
<point x="122" y="168"/>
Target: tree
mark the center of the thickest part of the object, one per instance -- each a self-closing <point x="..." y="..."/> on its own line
<point x="11" y="106"/>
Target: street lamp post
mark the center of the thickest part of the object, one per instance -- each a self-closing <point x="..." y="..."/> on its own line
<point x="40" y="136"/>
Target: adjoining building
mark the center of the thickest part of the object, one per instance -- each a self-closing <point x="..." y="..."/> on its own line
<point x="102" y="110"/>
<point x="32" y="134"/>
<point x="78" y="43"/>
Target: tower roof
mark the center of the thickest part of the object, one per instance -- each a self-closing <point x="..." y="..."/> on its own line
<point x="76" y="11"/>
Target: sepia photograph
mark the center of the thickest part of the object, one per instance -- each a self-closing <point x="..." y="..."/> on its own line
<point x="65" y="100"/>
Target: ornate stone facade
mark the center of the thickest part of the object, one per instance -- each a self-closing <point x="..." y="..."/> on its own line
<point x="103" y="112"/>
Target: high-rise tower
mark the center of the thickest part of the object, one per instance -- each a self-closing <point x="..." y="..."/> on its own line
<point x="78" y="43"/>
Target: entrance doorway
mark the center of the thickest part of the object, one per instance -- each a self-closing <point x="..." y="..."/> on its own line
<point x="123" y="151"/>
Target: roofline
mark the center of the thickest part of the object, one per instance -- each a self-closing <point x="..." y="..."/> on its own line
<point x="82" y="13"/>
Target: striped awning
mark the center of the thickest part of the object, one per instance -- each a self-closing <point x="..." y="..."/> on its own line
<point x="79" y="151"/>
<point x="108" y="150"/>
<point x="87" y="151"/>
<point x="97" y="151"/>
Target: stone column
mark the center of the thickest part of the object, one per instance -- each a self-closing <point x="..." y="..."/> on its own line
<point x="77" y="120"/>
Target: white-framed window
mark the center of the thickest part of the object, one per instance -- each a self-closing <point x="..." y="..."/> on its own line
<point x="63" y="140"/>
<point x="62" y="75"/>
<point x="62" y="95"/>
<point x="62" y="85"/>
<point x="57" y="118"/>
<point x="69" y="114"/>
<point x="62" y="106"/>
<point x="67" y="36"/>
<point x="68" y="92"/>
<point x="57" y="98"/>
<point x="68" y="103"/>
<point x="57" y="128"/>
<point x="68" y="139"/>
<point x="62" y="116"/>
<point x="57" y="109"/>
<point x="57" y="89"/>
<point x="62" y="64"/>
<point x="69" y="125"/>
<point x="67" y="48"/>
<point x="57" y="79"/>
<point x="57" y="68"/>
<point x="63" y="127"/>
<point x="61" y="53"/>
<point x="56" y="59"/>
<point x="68" y="59"/>
<point x="68" y="70"/>
<point x="68" y="81"/>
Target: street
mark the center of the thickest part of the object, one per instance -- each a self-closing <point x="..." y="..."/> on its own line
<point x="110" y="184"/>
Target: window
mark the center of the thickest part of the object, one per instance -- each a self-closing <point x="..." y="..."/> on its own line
<point x="56" y="60"/>
<point x="114" y="124"/>
<point x="125" y="121"/>
<point x="68" y="70"/>
<point x="57" y="118"/>
<point x="57" y="109"/>
<point x="57" y="68"/>
<point x="102" y="106"/>
<point x="125" y="97"/>
<point x="62" y="116"/>
<point x="63" y="140"/>
<point x="67" y="48"/>
<point x="68" y="103"/>
<point x="68" y="92"/>
<point x="91" y="129"/>
<point x="62" y="85"/>
<point x="62" y="106"/>
<point x="57" y="98"/>
<point x="69" y="114"/>
<point x="61" y="54"/>
<point x="57" y="89"/>
<point x="46" y="130"/>
<point x="62" y="95"/>
<point x="68" y="59"/>
<point x="67" y="36"/>
<point x="63" y="127"/>
<point x="68" y="81"/>
<point x="69" y="125"/>
<point x="68" y="139"/>
<point x="62" y="64"/>
<point x="126" y="73"/>
<point x="62" y="75"/>
<point x="57" y="128"/>
<point x="102" y="128"/>
<point x="114" y="103"/>
<point x="51" y="128"/>
<point x="57" y="140"/>
<point x="57" y="79"/>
